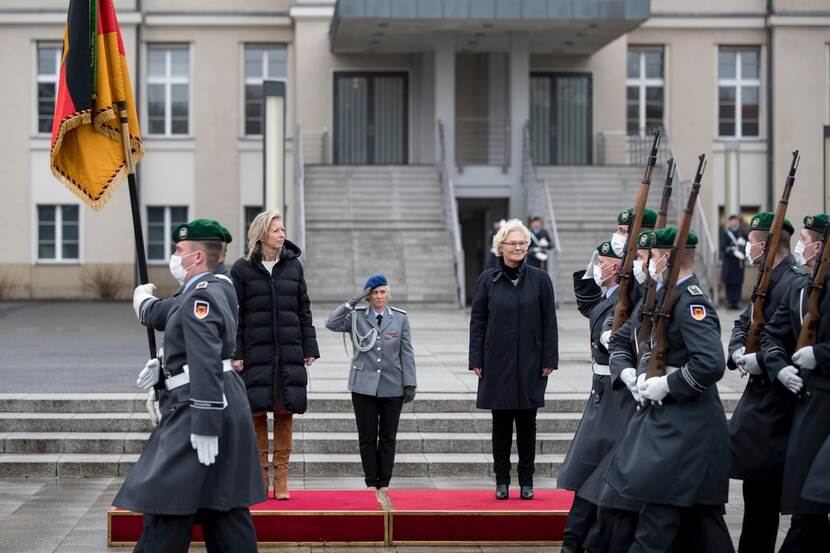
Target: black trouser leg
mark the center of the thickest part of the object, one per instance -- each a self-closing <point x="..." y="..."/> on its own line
<point x="139" y="545"/>
<point x="526" y="443"/>
<point x="366" y="417"/>
<point x="807" y="534"/>
<point x="228" y="531"/>
<point x="612" y="532"/>
<point x="703" y="529"/>
<point x="762" y="504"/>
<point x="580" y="519"/>
<point x="167" y="533"/>
<point x="709" y="529"/>
<point x="733" y="293"/>
<point x="657" y="527"/>
<point x="502" y="442"/>
<point x="390" y="416"/>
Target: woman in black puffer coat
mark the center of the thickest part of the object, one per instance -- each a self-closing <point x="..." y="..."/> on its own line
<point x="275" y="339"/>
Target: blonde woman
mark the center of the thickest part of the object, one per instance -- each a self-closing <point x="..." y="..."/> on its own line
<point x="275" y="339"/>
<point x="513" y="349"/>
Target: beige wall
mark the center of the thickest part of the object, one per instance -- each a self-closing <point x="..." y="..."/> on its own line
<point x="659" y="7"/>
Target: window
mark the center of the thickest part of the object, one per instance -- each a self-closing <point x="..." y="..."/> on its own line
<point x="261" y="63"/>
<point x="57" y="233"/>
<point x="738" y="92"/>
<point x="168" y="90"/>
<point x="160" y="224"/>
<point x="644" y="90"/>
<point x="251" y="211"/>
<point x="48" y="69"/>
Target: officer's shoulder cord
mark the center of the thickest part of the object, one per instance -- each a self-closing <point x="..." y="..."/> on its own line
<point x="357" y="339"/>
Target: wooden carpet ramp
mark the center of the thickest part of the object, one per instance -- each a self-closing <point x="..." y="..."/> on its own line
<point x="393" y="517"/>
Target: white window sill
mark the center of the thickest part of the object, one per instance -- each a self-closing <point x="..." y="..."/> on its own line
<point x="68" y="262"/>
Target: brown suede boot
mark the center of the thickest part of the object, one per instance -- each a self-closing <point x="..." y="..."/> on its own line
<point x="283" y="429"/>
<point x="261" y="430"/>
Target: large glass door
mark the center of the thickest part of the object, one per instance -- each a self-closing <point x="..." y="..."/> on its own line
<point x="560" y="118"/>
<point x="370" y="118"/>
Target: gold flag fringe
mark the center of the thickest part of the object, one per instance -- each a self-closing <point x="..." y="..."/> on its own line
<point x="84" y="117"/>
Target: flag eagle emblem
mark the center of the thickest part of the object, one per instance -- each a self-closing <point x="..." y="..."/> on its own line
<point x="698" y="312"/>
<point x="201" y="309"/>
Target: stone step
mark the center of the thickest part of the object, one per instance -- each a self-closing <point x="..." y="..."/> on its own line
<point x="112" y="443"/>
<point x="429" y="465"/>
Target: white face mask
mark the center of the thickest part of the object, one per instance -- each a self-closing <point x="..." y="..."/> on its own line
<point x="598" y="275"/>
<point x="618" y="243"/>
<point x="652" y="271"/>
<point x="639" y="272"/>
<point x="747" y="249"/>
<point x="798" y="253"/>
<point x="176" y="269"/>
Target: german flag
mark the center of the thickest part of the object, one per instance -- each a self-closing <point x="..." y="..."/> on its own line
<point x="88" y="153"/>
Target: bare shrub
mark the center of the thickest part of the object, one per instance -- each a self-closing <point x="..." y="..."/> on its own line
<point x="106" y="283"/>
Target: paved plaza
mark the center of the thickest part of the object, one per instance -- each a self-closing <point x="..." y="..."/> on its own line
<point x="77" y="348"/>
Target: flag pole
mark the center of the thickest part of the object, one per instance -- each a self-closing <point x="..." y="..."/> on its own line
<point x="141" y="255"/>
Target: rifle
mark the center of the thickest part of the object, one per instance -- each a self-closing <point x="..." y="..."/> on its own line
<point x="657" y="360"/>
<point x="650" y="297"/>
<point x="624" y="278"/>
<point x="759" y="293"/>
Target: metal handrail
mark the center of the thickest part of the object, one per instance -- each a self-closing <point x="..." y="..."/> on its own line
<point x="482" y="141"/>
<point x="530" y="178"/>
<point x="451" y="213"/>
<point x="299" y="187"/>
<point x="707" y="248"/>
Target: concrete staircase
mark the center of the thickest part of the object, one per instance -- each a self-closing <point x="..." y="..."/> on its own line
<point x="362" y="220"/>
<point x="440" y="435"/>
<point x="586" y="200"/>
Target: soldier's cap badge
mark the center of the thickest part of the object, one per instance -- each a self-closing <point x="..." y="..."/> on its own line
<point x="755" y="222"/>
<point x="808" y="221"/>
<point x="605" y="247"/>
<point x="183" y="233"/>
<point x="624" y="216"/>
<point x="644" y="239"/>
<point x="698" y="312"/>
<point x="201" y="309"/>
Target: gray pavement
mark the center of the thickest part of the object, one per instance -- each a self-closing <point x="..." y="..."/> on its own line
<point x="99" y="347"/>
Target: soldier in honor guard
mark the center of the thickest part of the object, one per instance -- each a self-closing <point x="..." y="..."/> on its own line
<point x="595" y="436"/>
<point x="585" y="289"/>
<point x="200" y="465"/>
<point x="381" y="377"/>
<point x="674" y="455"/>
<point x="616" y="521"/>
<point x="809" y="528"/>
<point x="760" y="426"/>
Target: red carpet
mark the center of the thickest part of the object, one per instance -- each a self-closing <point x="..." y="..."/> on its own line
<point x="476" y="517"/>
<point x="358" y="517"/>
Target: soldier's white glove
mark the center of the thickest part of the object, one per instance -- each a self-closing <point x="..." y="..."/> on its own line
<point x="749" y="364"/>
<point x="150" y="406"/>
<point x="788" y="376"/>
<point x="149" y="375"/>
<point x="654" y="389"/>
<point x="207" y="448"/>
<point x="605" y="338"/>
<point x="589" y="270"/>
<point x="805" y="358"/>
<point x="141" y="293"/>
<point x="736" y="356"/>
<point x="629" y="378"/>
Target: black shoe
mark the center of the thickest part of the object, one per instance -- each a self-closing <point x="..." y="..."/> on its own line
<point x="527" y="492"/>
<point x="502" y="491"/>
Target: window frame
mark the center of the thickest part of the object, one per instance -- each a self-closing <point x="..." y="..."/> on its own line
<point x="49" y="79"/>
<point x="243" y="132"/>
<point x="59" y="259"/>
<point x="168" y="231"/>
<point x="168" y="80"/>
<point x="643" y="83"/>
<point x="737" y="84"/>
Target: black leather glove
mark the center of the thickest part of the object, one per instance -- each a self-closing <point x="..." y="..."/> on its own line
<point x="408" y="393"/>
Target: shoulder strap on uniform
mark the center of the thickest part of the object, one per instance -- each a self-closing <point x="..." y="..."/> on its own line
<point x="694" y="290"/>
<point x="398" y="309"/>
<point x="226" y="278"/>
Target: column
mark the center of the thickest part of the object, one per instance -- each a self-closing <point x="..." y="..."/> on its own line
<point x="519" y="115"/>
<point x="445" y="95"/>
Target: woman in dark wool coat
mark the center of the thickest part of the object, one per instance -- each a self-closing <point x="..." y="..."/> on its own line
<point x="275" y="339"/>
<point x="513" y="349"/>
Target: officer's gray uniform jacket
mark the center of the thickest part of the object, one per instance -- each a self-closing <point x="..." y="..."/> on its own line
<point x="811" y="420"/>
<point x="760" y="426"/>
<point x="200" y="332"/>
<point x="592" y="439"/>
<point x="617" y="409"/>
<point x="389" y="366"/>
<point x="677" y="453"/>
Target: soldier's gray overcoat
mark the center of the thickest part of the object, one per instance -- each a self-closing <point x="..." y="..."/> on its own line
<point x="168" y="479"/>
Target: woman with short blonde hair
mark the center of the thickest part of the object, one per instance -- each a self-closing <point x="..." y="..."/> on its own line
<point x="275" y="338"/>
<point x="508" y="227"/>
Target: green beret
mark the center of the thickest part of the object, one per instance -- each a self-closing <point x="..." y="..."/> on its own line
<point x="649" y="217"/>
<point x="606" y="250"/>
<point x="763" y="221"/>
<point x="816" y="222"/>
<point x="644" y="242"/>
<point x="664" y="238"/>
<point x="227" y="238"/>
<point x="201" y="229"/>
